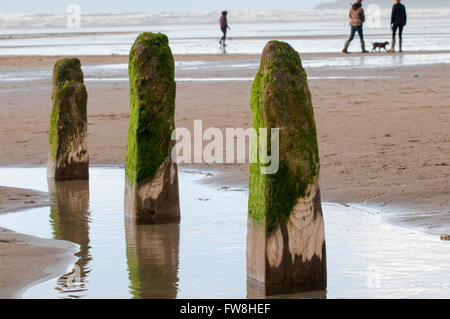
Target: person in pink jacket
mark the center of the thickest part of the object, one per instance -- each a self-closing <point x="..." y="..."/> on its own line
<point x="224" y="26"/>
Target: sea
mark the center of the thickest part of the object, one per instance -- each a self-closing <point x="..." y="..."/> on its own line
<point x="308" y="31"/>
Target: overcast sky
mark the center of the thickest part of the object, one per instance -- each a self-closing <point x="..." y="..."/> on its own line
<point x="116" y="6"/>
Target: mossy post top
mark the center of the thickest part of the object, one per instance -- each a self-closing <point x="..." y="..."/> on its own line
<point x="66" y="72"/>
<point x="151" y="53"/>
<point x="67" y="69"/>
<point x="152" y="106"/>
<point x="281" y="99"/>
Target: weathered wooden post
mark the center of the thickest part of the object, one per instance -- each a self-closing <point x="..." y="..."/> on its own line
<point x="68" y="157"/>
<point x="151" y="191"/>
<point x="286" y="237"/>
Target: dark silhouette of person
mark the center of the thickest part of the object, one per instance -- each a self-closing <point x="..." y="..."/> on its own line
<point x="224" y="26"/>
<point x="398" y="21"/>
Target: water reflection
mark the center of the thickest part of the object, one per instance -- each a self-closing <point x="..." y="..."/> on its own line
<point x="70" y="218"/>
<point x="367" y="258"/>
<point x="153" y="257"/>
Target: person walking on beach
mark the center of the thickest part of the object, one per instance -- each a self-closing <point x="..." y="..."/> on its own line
<point x="398" y="21"/>
<point x="224" y="26"/>
<point x="357" y="19"/>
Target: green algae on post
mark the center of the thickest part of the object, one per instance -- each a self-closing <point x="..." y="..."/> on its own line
<point x="281" y="99"/>
<point x="68" y="156"/>
<point x="151" y="193"/>
<point x="286" y="238"/>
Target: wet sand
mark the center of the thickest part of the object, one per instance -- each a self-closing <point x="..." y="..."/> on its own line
<point x="382" y="141"/>
<point x="48" y="61"/>
<point x="13" y="199"/>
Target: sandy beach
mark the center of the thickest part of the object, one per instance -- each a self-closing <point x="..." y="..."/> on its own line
<point x="369" y="149"/>
<point x="383" y="138"/>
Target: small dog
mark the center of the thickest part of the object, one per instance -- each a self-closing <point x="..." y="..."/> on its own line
<point x="379" y="46"/>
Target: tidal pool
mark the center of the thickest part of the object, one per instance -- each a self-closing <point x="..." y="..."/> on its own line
<point x="204" y="255"/>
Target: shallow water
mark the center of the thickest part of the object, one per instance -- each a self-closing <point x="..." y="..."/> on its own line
<point x="204" y="256"/>
<point x="241" y="70"/>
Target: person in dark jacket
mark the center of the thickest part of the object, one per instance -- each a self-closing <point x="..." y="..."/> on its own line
<point x="224" y="26"/>
<point x="398" y="21"/>
<point x="357" y="19"/>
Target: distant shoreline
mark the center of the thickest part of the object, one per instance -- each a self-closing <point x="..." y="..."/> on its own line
<point x="412" y="4"/>
<point x="18" y="22"/>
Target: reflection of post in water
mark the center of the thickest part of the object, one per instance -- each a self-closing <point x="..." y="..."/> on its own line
<point x="70" y="219"/>
<point x="258" y="290"/>
<point x="152" y="254"/>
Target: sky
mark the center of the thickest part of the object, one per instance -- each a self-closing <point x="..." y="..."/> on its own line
<point x="117" y="6"/>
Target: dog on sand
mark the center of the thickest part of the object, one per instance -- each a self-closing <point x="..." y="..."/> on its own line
<point x="379" y="46"/>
